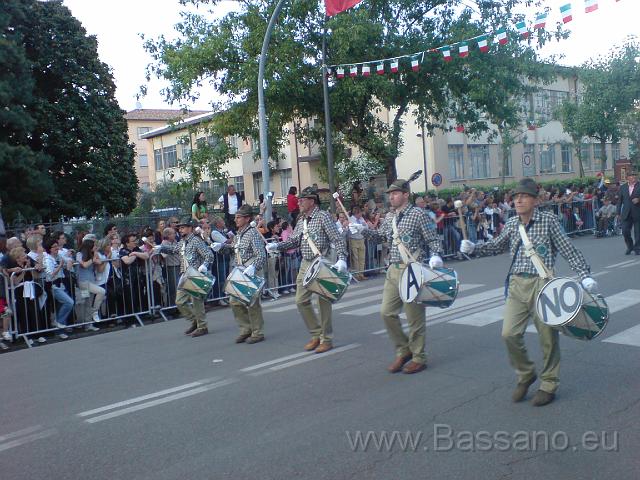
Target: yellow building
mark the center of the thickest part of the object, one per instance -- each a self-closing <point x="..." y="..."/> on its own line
<point x="139" y="122"/>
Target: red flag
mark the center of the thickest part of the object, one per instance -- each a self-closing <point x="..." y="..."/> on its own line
<point x="333" y="7"/>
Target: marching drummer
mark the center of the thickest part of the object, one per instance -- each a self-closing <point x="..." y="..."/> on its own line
<point x="195" y="253"/>
<point x="314" y="233"/>
<point x="409" y="230"/>
<point x="526" y="277"/>
<point x="249" y="253"/>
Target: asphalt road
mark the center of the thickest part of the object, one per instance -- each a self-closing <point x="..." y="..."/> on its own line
<point x="150" y="403"/>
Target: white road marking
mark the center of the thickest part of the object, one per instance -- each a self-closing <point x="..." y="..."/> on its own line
<point x="160" y="401"/>
<point x="24" y="431"/>
<point x="620" y="264"/>
<point x="481" y="319"/>
<point x="348" y="294"/>
<point x="599" y="274"/>
<point x="29" y="438"/>
<point x="315" y="357"/>
<point x="630" y="265"/>
<point x="273" y="362"/>
<point x="143" y="398"/>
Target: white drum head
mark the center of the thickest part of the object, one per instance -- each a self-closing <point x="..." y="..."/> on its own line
<point x="559" y="301"/>
<point x="311" y="272"/>
<point x="411" y="282"/>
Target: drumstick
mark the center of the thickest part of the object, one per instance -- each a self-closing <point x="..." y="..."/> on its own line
<point x="458" y="204"/>
<point x="336" y="195"/>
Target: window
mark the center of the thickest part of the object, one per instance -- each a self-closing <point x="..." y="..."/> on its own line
<point x="615" y="152"/>
<point x="567" y="159"/>
<point x="218" y="188"/>
<point x="257" y="184"/>
<point x="170" y="156"/>
<point x="143" y="160"/>
<point x="142" y="131"/>
<point x="185" y="151"/>
<point x="508" y="167"/>
<point x="157" y="158"/>
<point x="285" y="181"/>
<point x="586" y="157"/>
<point x="238" y="182"/>
<point x="479" y="155"/>
<point x="547" y="159"/>
<point x="456" y="162"/>
<point x="212" y="140"/>
<point x="233" y="141"/>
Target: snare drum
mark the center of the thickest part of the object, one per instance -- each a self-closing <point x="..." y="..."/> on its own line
<point x="564" y="305"/>
<point x="326" y="281"/>
<point x="431" y="287"/>
<point x="196" y="284"/>
<point x="242" y="287"/>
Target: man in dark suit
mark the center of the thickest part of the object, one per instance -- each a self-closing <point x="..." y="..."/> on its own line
<point x="231" y="202"/>
<point x="629" y="212"/>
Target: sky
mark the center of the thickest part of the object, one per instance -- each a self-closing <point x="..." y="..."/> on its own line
<point x="118" y="23"/>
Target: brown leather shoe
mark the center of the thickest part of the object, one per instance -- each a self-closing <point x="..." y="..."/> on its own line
<point x="312" y="345"/>
<point x="542" y="398"/>
<point x="413" y="367"/>
<point x="521" y="389"/>
<point x="198" y="332"/>
<point x="398" y="363"/>
<point x="252" y="340"/>
<point x="242" y="337"/>
<point x="190" y="330"/>
<point x="324" y="347"/>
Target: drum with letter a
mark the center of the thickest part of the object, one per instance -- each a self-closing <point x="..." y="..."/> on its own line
<point x="242" y="287"/>
<point x="326" y="281"/>
<point x="564" y="305"/>
<point x="195" y="283"/>
<point x="432" y="287"/>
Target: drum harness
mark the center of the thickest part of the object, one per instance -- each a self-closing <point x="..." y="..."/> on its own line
<point x="236" y="247"/>
<point x="305" y="236"/>
<point x="530" y="253"/>
<point x="406" y="255"/>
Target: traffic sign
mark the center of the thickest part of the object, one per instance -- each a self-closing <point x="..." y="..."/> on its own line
<point x="436" y="179"/>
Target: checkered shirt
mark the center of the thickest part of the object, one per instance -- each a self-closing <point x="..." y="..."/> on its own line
<point x="196" y="252"/>
<point x="547" y="238"/>
<point x="416" y="230"/>
<point x="322" y="230"/>
<point x="249" y="246"/>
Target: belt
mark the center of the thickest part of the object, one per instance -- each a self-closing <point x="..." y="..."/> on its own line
<point x="57" y="282"/>
<point x="526" y="275"/>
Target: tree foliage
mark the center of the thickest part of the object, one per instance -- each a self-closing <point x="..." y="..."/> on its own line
<point x="225" y="53"/>
<point x="64" y="140"/>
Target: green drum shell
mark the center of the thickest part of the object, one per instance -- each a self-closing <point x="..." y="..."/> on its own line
<point x="593" y="312"/>
<point x="254" y="286"/>
<point x="332" y="286"/>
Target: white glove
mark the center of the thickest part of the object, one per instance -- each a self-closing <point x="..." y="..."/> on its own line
<point x="272" y="247"/>
<point x="203" y="269"/>
<point x="467" y="246"/>
<point x="356" y="228"/>
<point x="341" y="266"/>
<point x="198" y="230"/>
<point x="590" y="285"/>
<point x="216" y="246"/>
<point x="156" y="248"/>
<point x="250" y="270"/>
<point x="435" y="262"/>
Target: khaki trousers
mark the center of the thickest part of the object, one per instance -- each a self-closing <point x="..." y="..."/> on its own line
<point x="192" y="309"/>
<point x="390" y="310"/>
<point x="322" y="328"/>
<point x="356" y="254"/>
<point x="249" y="319"/>
<point x="519" y="307"/>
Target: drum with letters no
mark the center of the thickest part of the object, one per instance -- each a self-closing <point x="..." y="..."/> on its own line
<point x="326" y="281"/>
<point x="564" y="305"/>
<point x="195" y="283"/>
<point x="242" y="287"/>
<point x="432" y="287"/>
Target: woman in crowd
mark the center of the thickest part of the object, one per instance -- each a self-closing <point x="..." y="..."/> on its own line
<point x="290" y="260"/>
<point x="170" y="267"/>
<point x="356" y="193"/>
<point x="157" y="234"/>
<point x="199" y="206"/>
<point x="292" y="205"/>
<point x="54" y="266"/>
<point x="87" y="257"/>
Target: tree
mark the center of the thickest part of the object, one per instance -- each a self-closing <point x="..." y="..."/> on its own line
<point x="610" y="94"/>
<point x="72" y="118"/>
<point x="571" y="117"/>
<point x="225" y="53"/>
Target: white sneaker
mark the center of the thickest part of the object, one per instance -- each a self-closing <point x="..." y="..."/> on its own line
<point x="6" y="336"/>
<point x="63" y="336"/>
<point x="29" y="342"/>
<point x="3" y="346"/>
<point x="91" y="328"/>
<point x="61" y="325"/>
<point x="42" y="340"/>
<point x="95" y="317"/>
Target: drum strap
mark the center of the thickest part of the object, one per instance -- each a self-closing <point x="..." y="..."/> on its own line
<point x="305" y="235"/>
<point x="530" y="252"/>
<point x="406" y="255"/>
